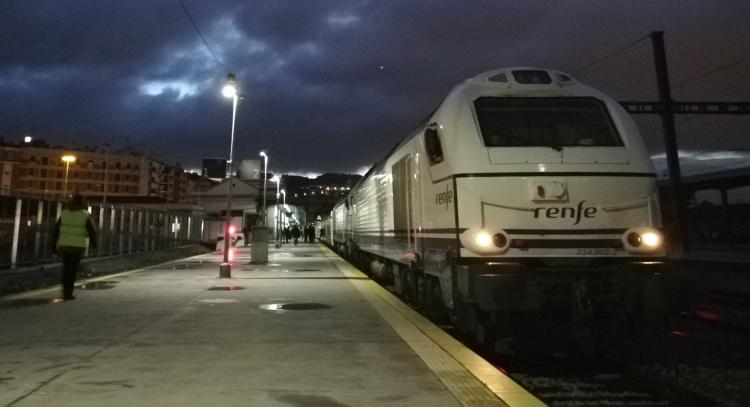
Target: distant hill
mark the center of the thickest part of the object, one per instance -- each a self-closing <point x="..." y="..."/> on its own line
<point x="338" y="179"/>
<point x="294" y="183"/>
<point x="318" y="195"/>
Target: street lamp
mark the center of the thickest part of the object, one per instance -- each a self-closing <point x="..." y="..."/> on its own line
<point x="277" y="180"/>
<point x="265" y="179"/>
<point x="284" y="219"/>
<point x="106" y="168"/>
<point x="27" y="139"/>
<point x="67" y="159"/>
<point x="229" y="91"/>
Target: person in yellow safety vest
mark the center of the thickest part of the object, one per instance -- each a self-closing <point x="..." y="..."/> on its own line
<point x="74" y="231"/>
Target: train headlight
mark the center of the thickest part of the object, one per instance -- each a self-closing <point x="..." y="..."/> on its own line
<point x="643" y="239"/>
<point x="485" y="241"/>
<point x="651" y="239"/>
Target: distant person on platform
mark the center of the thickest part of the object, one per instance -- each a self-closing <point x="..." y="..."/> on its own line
<point x="296" y="234"/>
<point x="310" y="232"/>
<point x="246" y="234"/>
<point x="74" y="231"/>
<point x="287" y="234"/>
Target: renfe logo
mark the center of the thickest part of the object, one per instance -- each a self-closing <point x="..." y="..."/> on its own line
<point x="444" y="198"/>
<point x="566" y="212"/>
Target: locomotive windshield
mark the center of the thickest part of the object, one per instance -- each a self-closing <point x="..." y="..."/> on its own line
<point x="550" y="122"/>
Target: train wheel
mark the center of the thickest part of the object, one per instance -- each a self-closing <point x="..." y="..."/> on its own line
<point x="434" y="305"/>
<point x="398" y="279"/>
<point x="486" y="332"/>
<point x="464" y="316"/>
<point x="413" y="287"/>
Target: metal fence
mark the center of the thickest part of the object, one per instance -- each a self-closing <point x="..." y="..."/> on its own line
<point x="27" y="227"/>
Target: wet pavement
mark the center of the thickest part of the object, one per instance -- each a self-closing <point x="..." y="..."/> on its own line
<point x="298" y="331"/>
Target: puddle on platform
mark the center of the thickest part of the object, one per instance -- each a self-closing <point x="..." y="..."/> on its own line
<point x="294" y="306"/>
<point x="309" y="400"/>
<point x="98" y="285"/>
<point x="230" y="288"/>
<point x="188" y="264"/>
<point x="218" y="300"/>
<point x="260" y="267"/>
<point x="29" y="302"/>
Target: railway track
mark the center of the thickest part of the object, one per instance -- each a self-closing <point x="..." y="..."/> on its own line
<point x="697" y="357"/>
<point x="694" y="358"/>
<point x="574" y="380"/>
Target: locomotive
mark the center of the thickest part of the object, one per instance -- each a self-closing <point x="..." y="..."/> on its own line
<point x="524" y="194"/>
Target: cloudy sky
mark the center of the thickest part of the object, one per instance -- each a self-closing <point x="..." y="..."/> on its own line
<point x="332" y="85"/>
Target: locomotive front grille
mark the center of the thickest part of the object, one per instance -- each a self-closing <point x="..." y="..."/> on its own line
<point x="565" y="243"/>
<point x="565" y="239"/>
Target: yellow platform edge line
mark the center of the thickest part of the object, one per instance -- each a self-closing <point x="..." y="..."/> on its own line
<point x="503" y="387"/>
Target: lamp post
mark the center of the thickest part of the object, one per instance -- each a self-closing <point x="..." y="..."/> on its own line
<point x="229" y="91"/>
<point x="284" y="217"/>
<point x="67" y="159"/>
<point x="106" y="168"/>
<point x="265" y="179"/>
<point x="277" y="180"/>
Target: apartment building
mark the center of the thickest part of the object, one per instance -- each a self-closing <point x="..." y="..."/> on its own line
<point x="96" y="173"/>
<point x="10" y="159"/>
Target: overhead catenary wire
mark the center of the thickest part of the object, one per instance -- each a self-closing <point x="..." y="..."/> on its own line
<point x="195" y="26"/>
<point x="677" y="122"/>
<point x="710" y="72"/>
<point x="602" y="59"/>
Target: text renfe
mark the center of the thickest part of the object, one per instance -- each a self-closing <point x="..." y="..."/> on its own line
<point x="566" y="212"/>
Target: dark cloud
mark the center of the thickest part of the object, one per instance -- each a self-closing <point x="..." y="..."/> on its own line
<point x="331" y="85"/>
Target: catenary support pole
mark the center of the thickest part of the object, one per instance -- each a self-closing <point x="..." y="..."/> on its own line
<point x="680" y="231"/>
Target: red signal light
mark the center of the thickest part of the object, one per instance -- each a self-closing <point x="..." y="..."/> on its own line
<point x="232" y="229"/>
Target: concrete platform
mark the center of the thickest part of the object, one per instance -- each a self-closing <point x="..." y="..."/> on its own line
<point x="305" y="330"/>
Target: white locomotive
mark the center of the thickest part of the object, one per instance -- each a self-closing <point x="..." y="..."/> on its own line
<point x="525" y="189"/>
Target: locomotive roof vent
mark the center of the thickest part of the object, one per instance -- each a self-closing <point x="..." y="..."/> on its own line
<point x="561" y="77"/>
<point x="532" y="77"/>
<point x="499" y="78"/>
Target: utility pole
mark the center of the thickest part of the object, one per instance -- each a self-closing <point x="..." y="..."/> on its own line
<point x="667" y="109"/>
<point x="680" y="229"/>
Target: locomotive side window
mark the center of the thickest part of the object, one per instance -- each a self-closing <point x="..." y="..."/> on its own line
<point x="550" y="122"/>
<point x="432" y="144"/>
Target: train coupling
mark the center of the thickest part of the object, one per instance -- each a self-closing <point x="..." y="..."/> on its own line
<point x="498" y="286"/>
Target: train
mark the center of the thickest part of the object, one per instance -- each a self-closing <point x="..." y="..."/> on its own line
<point x="525" y="194"/>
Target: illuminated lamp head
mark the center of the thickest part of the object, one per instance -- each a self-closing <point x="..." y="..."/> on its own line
<point x="643" y="240"/>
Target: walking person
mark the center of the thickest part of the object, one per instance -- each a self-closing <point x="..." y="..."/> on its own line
<point x="74" y="231"/>
<point x="311" y="232"/>
<point x="296" y="234"/>
<point x="246" y="233"/>
<point x="287" y="234"/>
